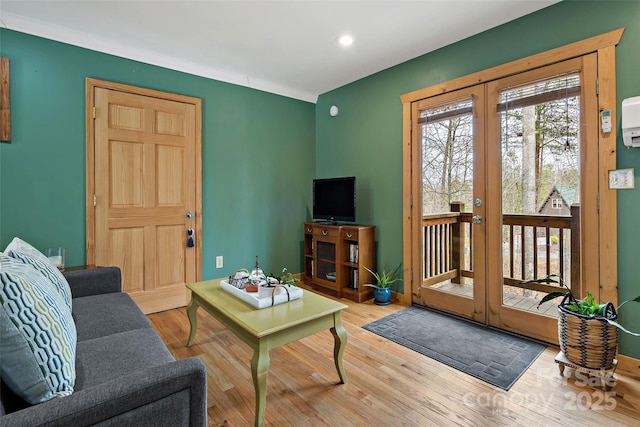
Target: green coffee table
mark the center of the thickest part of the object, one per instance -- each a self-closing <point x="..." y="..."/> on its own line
<point x="269" y="328"/>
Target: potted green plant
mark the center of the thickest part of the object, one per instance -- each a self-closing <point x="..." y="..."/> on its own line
<point x="384" y="280"/>
<point x="587" y="329"/>
<point x="284" y="278"/>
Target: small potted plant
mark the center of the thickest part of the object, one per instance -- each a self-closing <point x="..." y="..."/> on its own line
<point x="286" y="278"/>
<point x="384" y="280"/>
<point x="587" y="330"/>
<point x="272" y="282"/>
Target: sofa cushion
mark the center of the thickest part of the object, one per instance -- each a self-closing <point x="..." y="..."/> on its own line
<point x="106" y="358"/>
<point x="94" y="281"/>
<point x="100" y="315"/>
<point x="24" y="252"/>
<point x="37" y="334"/>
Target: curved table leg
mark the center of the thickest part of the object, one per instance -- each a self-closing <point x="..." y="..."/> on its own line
<point x="193" y="320"/>
<point x="340" y="342"/>
<point x="259" y="371"/>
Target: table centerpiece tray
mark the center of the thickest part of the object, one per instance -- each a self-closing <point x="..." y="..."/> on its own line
<point x="280" y="294"/>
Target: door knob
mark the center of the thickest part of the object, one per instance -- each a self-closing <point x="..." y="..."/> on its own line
<point x="477" y="219"/>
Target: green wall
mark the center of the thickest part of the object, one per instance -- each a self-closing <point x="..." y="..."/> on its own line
<point x="257" y="156"/>
<point x="365" y="139"/>
<point x="260" y="151"/>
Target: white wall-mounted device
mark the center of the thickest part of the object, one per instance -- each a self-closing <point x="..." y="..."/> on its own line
<point x="631" y="121"/>
<point x="605" y="118"/>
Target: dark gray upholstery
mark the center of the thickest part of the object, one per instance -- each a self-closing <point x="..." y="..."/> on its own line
<point x="94" y="281"/>
<point x="129" y="352"/>
<point x="99" y="315"/>
<point x="125" y="375"/>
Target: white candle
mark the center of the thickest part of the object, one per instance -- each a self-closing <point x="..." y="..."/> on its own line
<point x="56" y="260"/>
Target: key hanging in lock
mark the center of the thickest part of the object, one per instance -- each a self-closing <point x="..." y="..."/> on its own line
<point x="190" y="242"/>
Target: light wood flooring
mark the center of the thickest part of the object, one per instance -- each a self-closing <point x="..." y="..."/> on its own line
<point x="388" y="385"/>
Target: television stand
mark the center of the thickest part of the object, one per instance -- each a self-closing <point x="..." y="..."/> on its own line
<point x="335" y="256"/>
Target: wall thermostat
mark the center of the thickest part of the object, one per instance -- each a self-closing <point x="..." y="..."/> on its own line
<point x="333" y="111"/>
<point x="620" y="179"/>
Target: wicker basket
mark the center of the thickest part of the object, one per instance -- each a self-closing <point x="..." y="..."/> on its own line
<point x="240" y="279"/>
<point x="587" y="341"/>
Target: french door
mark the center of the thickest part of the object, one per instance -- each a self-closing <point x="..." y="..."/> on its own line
<point x="542" y="126"/>
<point x="449" y="152"/>
<point x="505" y="175"/>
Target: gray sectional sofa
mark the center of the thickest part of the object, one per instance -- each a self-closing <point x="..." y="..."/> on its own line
<point x="125" y="375"/>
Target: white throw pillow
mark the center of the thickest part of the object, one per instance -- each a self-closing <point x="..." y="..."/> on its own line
<point x="24" y="252"/>
<point x="37" y="334"/>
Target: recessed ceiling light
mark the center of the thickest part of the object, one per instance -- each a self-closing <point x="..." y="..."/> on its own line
<point x="345" y="40"/>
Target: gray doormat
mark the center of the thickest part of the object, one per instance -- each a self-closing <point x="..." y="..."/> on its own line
<point x="490" y="355"/>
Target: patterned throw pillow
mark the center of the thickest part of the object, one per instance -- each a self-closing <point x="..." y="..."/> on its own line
<point x="23" y="251"/>
<point x="37" y="334"/>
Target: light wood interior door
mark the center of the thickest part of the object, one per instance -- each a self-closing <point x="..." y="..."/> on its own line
<point x="147" y="202"/>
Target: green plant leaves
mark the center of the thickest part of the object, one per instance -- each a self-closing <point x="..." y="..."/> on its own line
<point x="550" y="296"/>
<point x="547" y="279"/>
<point x="636" y="299"/>
<point x="285" y="278"/>
<point x="572" y="307"/>
<point x="386" y="278"/>
<point x="622" y="328"/>
<point x="587" y="306"/>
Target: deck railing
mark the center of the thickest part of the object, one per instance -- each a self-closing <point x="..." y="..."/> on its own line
<point x="533" y="246"/>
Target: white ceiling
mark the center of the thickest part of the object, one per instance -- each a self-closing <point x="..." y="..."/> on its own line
<point x="285" y="47"/>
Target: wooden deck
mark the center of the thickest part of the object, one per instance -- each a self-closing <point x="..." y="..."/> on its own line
<point x="524" y="303"/>
<point x="534" y="246"/>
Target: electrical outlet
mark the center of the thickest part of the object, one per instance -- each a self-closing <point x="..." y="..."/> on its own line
<point x="219" y="262"/>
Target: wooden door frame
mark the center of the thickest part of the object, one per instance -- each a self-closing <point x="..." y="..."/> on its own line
<point x="91" y="85"/>
<point x="606" y="269"/>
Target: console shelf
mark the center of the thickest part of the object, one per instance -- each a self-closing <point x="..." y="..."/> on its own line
<point x="335" y="257"/>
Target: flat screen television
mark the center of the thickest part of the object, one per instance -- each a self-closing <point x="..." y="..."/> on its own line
<point x="334" y="199"/>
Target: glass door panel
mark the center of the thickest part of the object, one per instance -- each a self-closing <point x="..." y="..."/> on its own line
<point x="540" y="147"/>
<point x="326" y="255"/>
<point x="449" y="140"/>
<point x="538" y="127"/>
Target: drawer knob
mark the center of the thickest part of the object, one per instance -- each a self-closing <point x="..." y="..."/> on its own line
<point x="349" y="235"/>
<point x="325" y="232"/>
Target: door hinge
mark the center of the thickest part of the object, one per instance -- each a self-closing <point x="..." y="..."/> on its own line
<point x="598" y="202"/>
<point x="94" y="112"/>
<point x="94" y="200"/>
<point x="411" y="276"/>
<point x="411" y="125"/>
<point x="597" y="87"/>
<point x="410" y="200"/>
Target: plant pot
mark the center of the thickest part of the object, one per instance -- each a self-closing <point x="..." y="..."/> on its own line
<point x="382" y="296"/>
<point x="587" y="341"/>
<point x="251" y="287"/>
